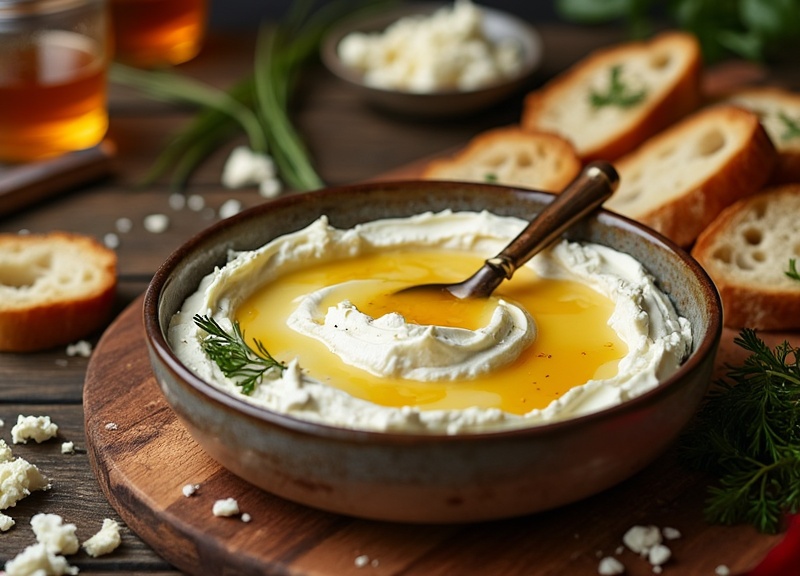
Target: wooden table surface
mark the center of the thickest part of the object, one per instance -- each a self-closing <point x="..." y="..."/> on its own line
<point x="349" y="142"/>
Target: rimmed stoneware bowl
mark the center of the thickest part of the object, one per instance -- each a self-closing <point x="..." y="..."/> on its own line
<point x="429" y="478"/>
<point x="497" y="25"/>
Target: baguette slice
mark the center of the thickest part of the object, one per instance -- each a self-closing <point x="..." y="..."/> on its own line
<point x="746" y="251"/>
<point x="54" y="289"/>
<point x="666" y="71"/>
<point x="779" y="111"/>
<point x="680" y="180"/>
<point x="511" y="156"/>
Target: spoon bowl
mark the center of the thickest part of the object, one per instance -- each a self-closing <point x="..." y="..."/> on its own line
<point x="587" y="192"/>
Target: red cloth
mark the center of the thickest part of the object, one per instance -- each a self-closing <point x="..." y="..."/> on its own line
<point x="784" y="559"/>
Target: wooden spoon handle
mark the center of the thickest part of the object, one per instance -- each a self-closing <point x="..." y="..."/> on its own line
<point x="593" y="186"/>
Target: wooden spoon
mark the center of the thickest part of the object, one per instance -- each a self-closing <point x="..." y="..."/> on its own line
<point x="593" y="186"/>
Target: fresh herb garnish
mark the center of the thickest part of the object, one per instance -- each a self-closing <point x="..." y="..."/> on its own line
<point x="747" y="434"/>
<point x="259" y="103"/>
<point x="490" y="177"/>
<point x="618" y="94"/>
<point x="755" y="30"/>
<point x="792" y="126"/>
<point x="792" y="272"/>
<point x="238" y="361"/>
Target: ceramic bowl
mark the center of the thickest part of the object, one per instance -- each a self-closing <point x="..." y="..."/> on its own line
<point x="497" y="25"/>
<point x="429" y="478"/>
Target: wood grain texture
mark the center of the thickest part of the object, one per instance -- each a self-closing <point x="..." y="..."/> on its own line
<point x="144" y="462"/>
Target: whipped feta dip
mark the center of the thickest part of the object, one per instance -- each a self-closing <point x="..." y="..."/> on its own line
<point x="657" y="338"/>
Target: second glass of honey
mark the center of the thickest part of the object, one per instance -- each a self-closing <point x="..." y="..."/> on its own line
<point x="157" y="33"/>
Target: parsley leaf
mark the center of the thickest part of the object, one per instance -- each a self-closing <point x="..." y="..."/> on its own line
<point x="618" y="94"/>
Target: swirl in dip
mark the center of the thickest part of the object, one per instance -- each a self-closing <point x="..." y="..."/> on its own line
<point x="580" y="328"/>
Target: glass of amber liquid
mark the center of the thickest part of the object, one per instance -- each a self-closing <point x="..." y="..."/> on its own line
<point x="157" y="33"/>
<point x="53" y="77"/>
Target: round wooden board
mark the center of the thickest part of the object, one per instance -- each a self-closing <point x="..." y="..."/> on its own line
<point x="143" y="456"/>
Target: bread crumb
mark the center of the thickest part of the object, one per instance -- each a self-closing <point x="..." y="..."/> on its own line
<point x="105" y="541"/>
<point x="38" y="428"/>
<point x="156" y="223"/>
<point x="225" y="507"/>
<point x="610" y="566"/>
<point x="68" y="447"/>
<point x="80" y="348"/>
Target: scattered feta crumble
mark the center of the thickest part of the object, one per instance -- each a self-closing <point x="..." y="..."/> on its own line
<point x="38" y="428"/>
<point x="111" y="426"/>
<point x="610" y="566"/>
<point x="190" y="489"/>
<point x="245" y="167"/>
<point x="177" y="201"/>
<point x="5" y="452"/>
<point x="670" y="533"/>
<point x="640" y="539"/>
<point x="658" y="555"/>
<point x="156" y="223"/>
<point x="68" y="447"/>
<point x="246" y="517"/>
<point x="104" y="541"/>
<point x="18" y="478"/>
<point x="80" y="348"/>
<point x="361" y="561"/>
<point x="51" y="531"/>
<point x="225" y="507"/>
<point x="230" y="208"/>
<point x="111" y="241"/>
<point x="722" y="570"/>
<point x="124" y="225"/>
<point x="195" y="202"/>
<point x="37" y="559"/>
<point x="6" y="522"/>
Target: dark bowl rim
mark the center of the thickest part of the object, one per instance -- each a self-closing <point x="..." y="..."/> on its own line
<point x="360" y="21"/>
<point x="158" y="345"/>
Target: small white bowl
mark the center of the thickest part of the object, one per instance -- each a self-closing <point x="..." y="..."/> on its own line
<point x="497" y="25"/>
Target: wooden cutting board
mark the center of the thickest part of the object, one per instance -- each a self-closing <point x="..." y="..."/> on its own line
<point x="143" y="456"/>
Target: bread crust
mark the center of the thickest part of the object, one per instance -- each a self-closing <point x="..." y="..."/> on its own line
<point x="742" y="169"/>
<point x="746" y="252"/>
<point x="35" y="314"/>
<point x="512" y="156"/>
<point x="662" y="106"/>
<point x="769" y="102"/>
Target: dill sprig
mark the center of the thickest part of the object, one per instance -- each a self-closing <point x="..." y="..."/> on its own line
<point x="792" y="126"/>
<point x="792" y="272"/>
<point x="747" y="434"/>
<point x="238" y="361"/>
<point x="618" y="93"/>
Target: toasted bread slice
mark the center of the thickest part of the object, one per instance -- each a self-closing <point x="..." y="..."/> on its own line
<point x="54" y="289"/>
<point x="747" y="251"/>
<point x="511" y="156"/>
<point x="614" y="99"/>
<point x="680" y="180"/>
<point x="779" y="111"/>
